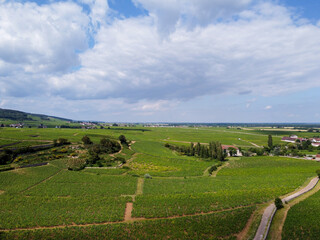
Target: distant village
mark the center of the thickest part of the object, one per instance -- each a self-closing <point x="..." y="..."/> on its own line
<point x="315" y="142"/>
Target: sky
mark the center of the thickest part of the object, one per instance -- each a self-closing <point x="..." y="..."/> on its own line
<point x="162" y="60"/>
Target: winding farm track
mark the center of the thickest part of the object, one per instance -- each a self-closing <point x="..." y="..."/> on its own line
<point x="123" y="221"/>
<point x="269" y="212"/>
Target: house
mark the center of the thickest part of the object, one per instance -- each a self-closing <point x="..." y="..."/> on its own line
<point x="315" y="144"/>
<point x="289" y="139"/>
<point x="225" y="148"/>
<point x="318" y="157"/>
<point x="17" y="125"/>
<point x="294" y="136"/>
<point x="315" y="140"/>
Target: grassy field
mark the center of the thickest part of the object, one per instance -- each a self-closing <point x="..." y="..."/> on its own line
<point x="303" y="219"/>
<point x="173" y="196"/>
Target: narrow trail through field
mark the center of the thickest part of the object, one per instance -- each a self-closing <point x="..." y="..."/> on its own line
<point x="214" y="174"/>
<point x="129" y="205"/>
<point x="128" y="212"/>
<point x="42" y="181"/>
<point x="281" y="216"/>
<point x="132" y="142"/>
<point x="269" y="212"/>
<point x="140" y="186"/>
<point x="256" y="145"/>
<point x="124" y="221"/>
<point x="246" y="229"/>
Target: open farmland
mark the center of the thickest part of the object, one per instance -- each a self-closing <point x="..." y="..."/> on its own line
<point x="157" y="193"/>
<point x="303" y="219"/>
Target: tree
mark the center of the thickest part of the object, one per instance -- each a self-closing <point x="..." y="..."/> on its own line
<point x="60" y="142"/>
<point x="123" y="139"/>
<point x="232" y="151"/>
<point x="86" y="140"/>
<point x="318" y="172"/>
<point x="191" y="149"/>
<point x="76" y="164"/>
<point x="270" y="143"/>
<point x="278" y="202"/>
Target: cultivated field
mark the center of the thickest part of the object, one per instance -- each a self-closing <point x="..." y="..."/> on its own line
<point x="156" y="194"/>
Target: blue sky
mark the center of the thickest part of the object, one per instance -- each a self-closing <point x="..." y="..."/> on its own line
<point x="162" y="60"/>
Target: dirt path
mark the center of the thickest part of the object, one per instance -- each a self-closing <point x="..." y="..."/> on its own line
<point x="246" y="229"/>
<point x="128" y="212"/>
<point x="256" y="145"/>
<point x="269" y="212"/>
<point x="128" y="208"/>
<point x="132" y="142"/>
<point x="214" y="174"/>
<point x="42" y="181"/>
<point x="140" y="186"/>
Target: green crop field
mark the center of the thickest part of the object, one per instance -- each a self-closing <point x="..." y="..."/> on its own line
<point x="172" y="195"/>
<point x="303" y="219"/>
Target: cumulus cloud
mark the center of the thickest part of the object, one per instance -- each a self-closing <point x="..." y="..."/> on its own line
<point x="268" y="107"/>
<point x="170" y="13"/>
<point x="263" y="50"/>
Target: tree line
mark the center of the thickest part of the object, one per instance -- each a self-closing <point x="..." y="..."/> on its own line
<point x="213" y="150"/>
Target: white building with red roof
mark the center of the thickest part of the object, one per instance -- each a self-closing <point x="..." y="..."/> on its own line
<point x="226" y="149"/>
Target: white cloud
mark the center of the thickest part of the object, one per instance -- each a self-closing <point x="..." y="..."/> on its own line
<point x="170" y="13"/>
<point x="37" y="42"/>
<point x="41" y="38"/>
<point x="268" y="107"/>
<point x="263" y="53"/>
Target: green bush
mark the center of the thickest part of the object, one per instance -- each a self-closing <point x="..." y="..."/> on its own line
<point x="318" y="172"/>
<point x="147" y="175"/>
<point x="278" y="202"/>
<point x="76" y="164"/>
<point x="213" y="168"/>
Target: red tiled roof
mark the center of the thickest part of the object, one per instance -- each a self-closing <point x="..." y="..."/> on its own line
<point x="228" y="146"/>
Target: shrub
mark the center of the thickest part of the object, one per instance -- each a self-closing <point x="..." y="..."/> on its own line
<point x="318" y="172"/>
<point x="86" y="140"/>
<point x="63" y="150"/>
<point x="123" y="139"/>
<point x="120" y="159"/>
<point x="60" y="142"/>
<point x="147" y="175"/>
<point x="76" y="164"/>
<point x="213" y="168"/>
<point x="278" y="202"/>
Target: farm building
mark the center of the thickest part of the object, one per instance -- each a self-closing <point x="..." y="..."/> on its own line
<point x="289" y="139"/>
<point x="315" y="144"/>
<point x="225" y="148"/>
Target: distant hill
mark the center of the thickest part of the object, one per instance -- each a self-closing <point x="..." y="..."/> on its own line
<point x="23" y="116"/>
